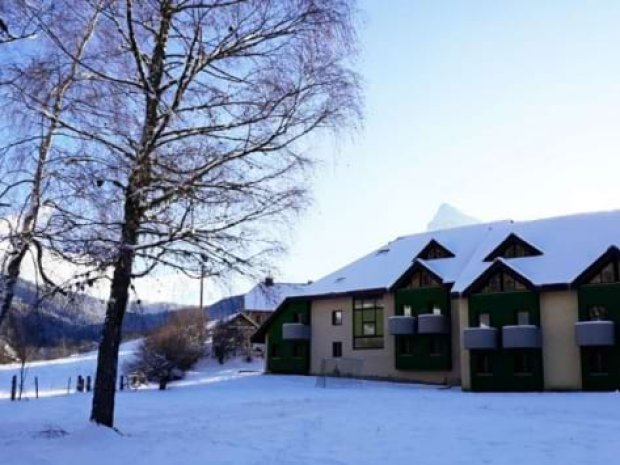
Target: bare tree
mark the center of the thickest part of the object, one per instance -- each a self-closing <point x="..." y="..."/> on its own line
<point x="18" y="19"/>
<point x="188" y="139"/>
<point x="169" y="351"/>
<point x="32" y="87"/>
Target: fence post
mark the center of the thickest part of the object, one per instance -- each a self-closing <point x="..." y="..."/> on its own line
<point x="88" y="383"/>
<point x="36" y="387"/>
<point x="80" y="383"/>
<point x="13" y="387"/>
<point x="69" y="385"/>
<point x="122" y="383"/>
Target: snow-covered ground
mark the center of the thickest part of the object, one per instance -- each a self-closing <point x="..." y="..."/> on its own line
<point x="227" y="415"/>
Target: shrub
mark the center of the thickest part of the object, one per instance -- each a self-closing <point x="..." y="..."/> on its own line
<point x="168" y="352"/>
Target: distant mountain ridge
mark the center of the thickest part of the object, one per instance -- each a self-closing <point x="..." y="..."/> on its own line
<point x="78" y="317"/>
<point x="448" y="217"/>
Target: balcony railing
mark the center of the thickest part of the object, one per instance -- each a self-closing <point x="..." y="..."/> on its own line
<point x="400" y="325"/>
<point x="595" y="333"/>
<point x="521" y="337"/>
<point x="295" y="332"/>
<point x="431" y="323"/>
<point x="480" y="338"/>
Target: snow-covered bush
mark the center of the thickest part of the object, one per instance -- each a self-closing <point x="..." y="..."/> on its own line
<point x="167" y="353"/>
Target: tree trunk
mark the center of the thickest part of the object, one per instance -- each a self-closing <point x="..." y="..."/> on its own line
<point x="10" y="280"/>
<point x="107" y="360"/>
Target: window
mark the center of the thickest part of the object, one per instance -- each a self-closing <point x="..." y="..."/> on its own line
<point x="523" y="318"/>
<point x="597" y="312"/>
<point x="298" y="349"/>
<point x="434" y="250"/>
<point x="299" y="317"/>
<point x="407" y="311"/>
<point x="599" y="363"/>
<point x="503" y="282"/>
<point x="484" y="320"/>
<point x="522" y="364"/>
<point x="336" y="349"/>
<point x="274" y="351"/>
<point x="513" y="247"/>
<point x="367" y="324"/>
<point x="483" y="364"/>
<point x="337" y="318"/>
<point x="608" y="274"/>
<point x="405" y="345"/>
<point x="423" y="278"/>
<point x="436" y="347"/>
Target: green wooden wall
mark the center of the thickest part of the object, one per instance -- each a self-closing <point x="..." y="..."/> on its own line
<point x="503" y="308"/>
<point x="422" y="300"/>
<point x="286" y="361"/>
<point x="609" y="296"/>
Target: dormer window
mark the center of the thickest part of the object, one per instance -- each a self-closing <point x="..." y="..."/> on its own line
<point x="502" y="282"/>
<point x="434" y="250"/>
<point x="604" y="270"/>
<point x="423" y="278"/>
<point x="513" y="247"/>
<point x="608" y="274"/>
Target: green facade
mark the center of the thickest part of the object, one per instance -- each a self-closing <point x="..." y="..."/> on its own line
<point x="292" y="357"/>
<point x="607" y="295"/>
<point x="503" y="374"/>
<point x="427" y="351"/>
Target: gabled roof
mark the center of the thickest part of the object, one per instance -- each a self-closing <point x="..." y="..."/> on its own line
<point x="268" y="296"/>
<point x="500" y="264"/>
<point x="417" y="265"/>
<point x="570" y="244"/>
<point x="434" y="244"/>
<point x="612" y="253"/>
<point x="512" y="239"/>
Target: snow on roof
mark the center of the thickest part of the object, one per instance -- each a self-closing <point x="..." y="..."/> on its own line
<point x="569" y="244"/>
<point x="268" y="297"/>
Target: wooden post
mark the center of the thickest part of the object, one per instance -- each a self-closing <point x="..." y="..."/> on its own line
<point x="89" y="383"/>
<point x="13" y="387"/>
<point x="80" y="383"/>
<point x="69" y="385"/>
<point x="36" y="387"/>
<point x="122" y="383"/>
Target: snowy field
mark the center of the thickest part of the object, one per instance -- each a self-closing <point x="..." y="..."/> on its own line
<point x="229" y="415"/>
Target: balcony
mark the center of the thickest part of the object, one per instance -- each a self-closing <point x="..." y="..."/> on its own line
<point x="432" y="323"/>
<point x="400" y="325"/>
<point x="295" y="332"/>
<point x="595" y="333"/>
<point x="480" y="338"/>
<point x="521" y="337"/>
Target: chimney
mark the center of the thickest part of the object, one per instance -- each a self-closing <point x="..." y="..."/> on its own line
<point x="268" y="281"/>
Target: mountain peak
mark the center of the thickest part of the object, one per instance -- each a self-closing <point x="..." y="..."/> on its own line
<point x="448" y="217"/>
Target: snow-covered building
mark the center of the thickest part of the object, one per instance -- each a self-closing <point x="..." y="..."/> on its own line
<point x="506" y="306"/>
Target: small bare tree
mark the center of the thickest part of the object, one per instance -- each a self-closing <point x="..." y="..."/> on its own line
<point x="171" y="350"/>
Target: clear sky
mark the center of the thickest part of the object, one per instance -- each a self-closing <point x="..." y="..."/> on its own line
<point x="504" y="109"/>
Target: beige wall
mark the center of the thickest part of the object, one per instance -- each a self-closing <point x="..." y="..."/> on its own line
<point x="561" y="358"/>
<point x="377" y="362"/>
<point x="461" y="307"/>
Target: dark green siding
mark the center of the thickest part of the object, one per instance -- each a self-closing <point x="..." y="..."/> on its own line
<point x="503" y="308"/>
<point x="422" y="300"/>
<point x="609" y="296"/>
<point x="286" y="361"/>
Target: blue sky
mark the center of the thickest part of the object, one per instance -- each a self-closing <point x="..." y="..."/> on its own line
<point x="504" y="109"/>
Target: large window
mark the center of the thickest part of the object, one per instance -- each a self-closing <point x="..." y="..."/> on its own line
<point x="503" y="282"/>
<point x="367" y="324"/>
